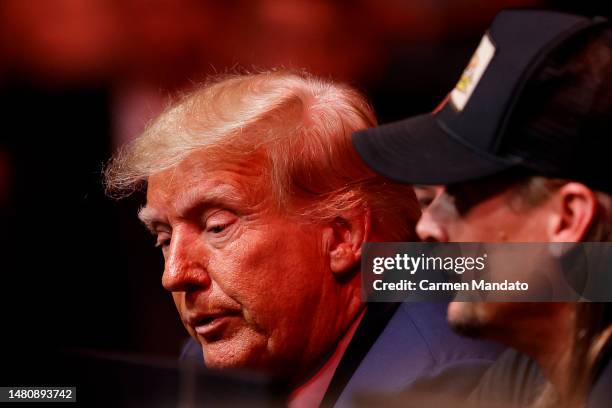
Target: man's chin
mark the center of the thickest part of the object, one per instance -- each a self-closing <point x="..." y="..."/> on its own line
<point x="468" y="329"/>
<point x="229" y="354"/>
<point x="219" y="359"/>
<point x="465" y="319"/>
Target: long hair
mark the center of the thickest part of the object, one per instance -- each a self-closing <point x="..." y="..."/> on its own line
<point x="570" y="101"/>
<point x="592" y="335"/>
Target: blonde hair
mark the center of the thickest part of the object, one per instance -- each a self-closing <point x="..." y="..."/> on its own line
<point x="295" y="126"/>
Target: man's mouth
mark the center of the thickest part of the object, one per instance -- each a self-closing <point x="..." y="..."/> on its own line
<point x="211" y="327"/>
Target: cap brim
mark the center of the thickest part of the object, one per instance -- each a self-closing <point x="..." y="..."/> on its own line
<point x="418" y="151"/>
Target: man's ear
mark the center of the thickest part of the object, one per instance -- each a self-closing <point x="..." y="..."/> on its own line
<point x="347" y="234"/>
<point x="576" y="206"/>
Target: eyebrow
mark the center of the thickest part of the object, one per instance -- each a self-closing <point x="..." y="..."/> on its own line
<point x="190" y="201"/>
<point x="149" y="217"/>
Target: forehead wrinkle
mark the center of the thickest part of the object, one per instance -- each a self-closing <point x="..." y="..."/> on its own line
<point x="200" y="196"/>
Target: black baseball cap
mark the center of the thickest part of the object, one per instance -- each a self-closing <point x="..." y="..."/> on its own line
<point x="472" y="137"/>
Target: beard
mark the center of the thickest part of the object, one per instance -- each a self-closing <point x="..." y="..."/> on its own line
<point x="465" y="318"/>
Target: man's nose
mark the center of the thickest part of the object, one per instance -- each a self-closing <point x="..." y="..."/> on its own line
<point x="186" y="264"/>
<point x="430" y="229"/>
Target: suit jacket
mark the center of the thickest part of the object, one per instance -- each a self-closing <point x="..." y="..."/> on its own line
<point x="398" y="348"/>
<point x="416" y="351"/>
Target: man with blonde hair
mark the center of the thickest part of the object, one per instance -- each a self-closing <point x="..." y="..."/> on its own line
<point x="261" y="207"/>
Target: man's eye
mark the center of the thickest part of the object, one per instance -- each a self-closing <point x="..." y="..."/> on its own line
<point x="162" y="241"/>
<point x="426" y="195"/>
<point x="216" y="229"/>
<point x="161" y="244"/>
<point x="218" y="221"/>
<point x="424" y="202"/>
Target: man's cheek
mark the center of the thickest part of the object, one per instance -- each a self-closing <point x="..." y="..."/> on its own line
<point x="178" y="298"/>
<point x="243" y="273"/>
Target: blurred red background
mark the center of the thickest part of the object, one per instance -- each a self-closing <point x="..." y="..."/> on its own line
<point x="78" y="78"/>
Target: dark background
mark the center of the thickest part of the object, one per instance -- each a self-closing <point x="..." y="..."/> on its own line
<point x="79" y="78"/>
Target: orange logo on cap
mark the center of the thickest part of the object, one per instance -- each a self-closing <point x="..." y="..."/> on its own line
<point x="468" y="75"/>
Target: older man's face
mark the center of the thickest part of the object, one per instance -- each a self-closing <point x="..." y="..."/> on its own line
<point x="252" y="285"/>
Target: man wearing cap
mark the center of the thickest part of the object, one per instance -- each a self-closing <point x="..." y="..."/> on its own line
<point x="521" y="149"/>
